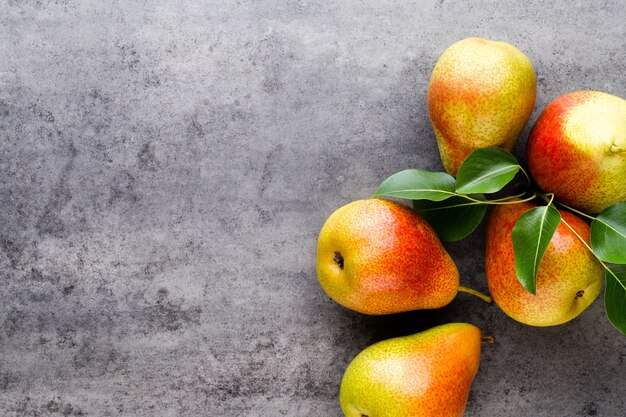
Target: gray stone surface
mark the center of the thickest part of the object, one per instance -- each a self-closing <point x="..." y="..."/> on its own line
<point x="165" y="167"/>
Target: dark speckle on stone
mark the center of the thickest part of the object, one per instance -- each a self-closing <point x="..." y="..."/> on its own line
<point x="152" y="80"/>
<point x="7" y="379"/>
<point x="12" y="250"/>
<point x="265" y="215"/>
<point x="128" y="54"/>
<point x="122" y="189"/>
<point x="51" y="221"/>
<point x="13" y="322"/>
<point x="147" y="159"/>
<point x="271" y="161"/>
<point x="65" y="337"/>
<point x="590" y="409"/>
<point x="152" y="269"/>
<point x="167" y="316"/>
<point x="162" y="294"/>
<point x="4" y="108"/>
<point x="56" y="406"/>
<point x="195" y="128"/>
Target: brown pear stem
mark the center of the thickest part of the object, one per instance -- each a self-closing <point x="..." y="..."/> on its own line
<point x="488" y="339"/>
<point x="615" y="148"/>
<point x="478" y="294"/>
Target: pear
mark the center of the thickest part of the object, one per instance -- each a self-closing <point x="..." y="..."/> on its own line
<point x="380" y="257"/>
<point x="577" y="150"/>
<point x="481" y="93"/>
<point x="428" y="374"/>
<point x="569" y="277"/>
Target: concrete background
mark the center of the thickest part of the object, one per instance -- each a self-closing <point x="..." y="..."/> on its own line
<point x="165" y="167"/>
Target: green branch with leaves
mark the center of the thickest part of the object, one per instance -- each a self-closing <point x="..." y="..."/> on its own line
<point x="456" y="206"/>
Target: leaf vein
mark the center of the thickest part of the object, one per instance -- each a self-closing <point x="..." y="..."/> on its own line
<point x="488" y="175"/>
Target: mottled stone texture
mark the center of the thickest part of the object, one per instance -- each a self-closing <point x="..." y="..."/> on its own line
<point x="165" y="167"/>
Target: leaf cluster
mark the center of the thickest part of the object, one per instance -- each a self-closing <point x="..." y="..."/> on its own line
<point x="456" y="206"/>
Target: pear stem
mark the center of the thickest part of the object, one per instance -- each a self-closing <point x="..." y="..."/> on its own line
<point x="478" y="294"/>
<point x="615" y="148"/>
<point x="525" y="174"/>
<point x="488" y="339"/>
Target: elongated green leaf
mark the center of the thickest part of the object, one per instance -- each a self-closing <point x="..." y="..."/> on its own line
<point x="531" y="235"/>
<point x="486" y="170"/>
<point x="454" y="218"/>
<point x="615" y="297"/>
<point x="416" y="184"/>
<point x="608" y="234"/>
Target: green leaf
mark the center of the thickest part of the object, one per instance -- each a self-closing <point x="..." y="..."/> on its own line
<point x="454" y="218"/>
<point x="615" y="297"/>
<point x="486" y="170"/>
<point x="531" y="235"/>
<point x="608" y="234"/>
<point x="416" y="184"/>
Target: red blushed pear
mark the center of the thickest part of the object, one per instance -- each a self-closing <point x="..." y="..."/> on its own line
<point x="577" y="150"/>
<point x="569" y="277"/>
<point x="380" y="257"/>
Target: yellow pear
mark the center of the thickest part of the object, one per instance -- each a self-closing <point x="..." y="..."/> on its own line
<point x="481" y="93"/>
<point x="428" y="374"/>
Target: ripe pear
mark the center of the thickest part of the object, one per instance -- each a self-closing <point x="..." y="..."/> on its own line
<point x="380" y="257"/>
<point x="481" y="94"/>
<point x="428" y="374"/>
<point x="569" y="277"/>
<point x="577" y="150"/>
